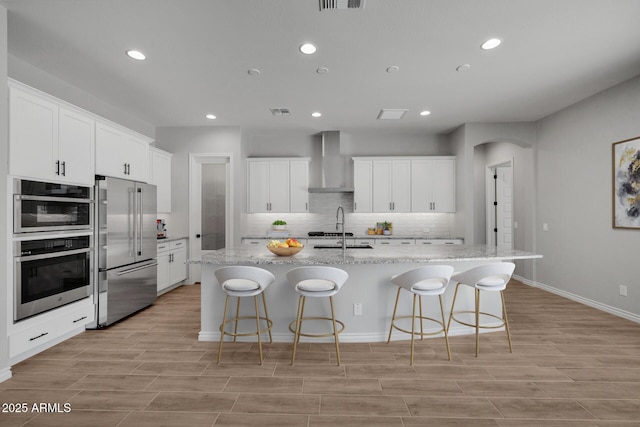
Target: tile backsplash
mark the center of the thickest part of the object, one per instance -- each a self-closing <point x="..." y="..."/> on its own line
<point x="322" y="217"/>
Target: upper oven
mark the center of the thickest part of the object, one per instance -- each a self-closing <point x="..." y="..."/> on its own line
<point x="44" y="206"/>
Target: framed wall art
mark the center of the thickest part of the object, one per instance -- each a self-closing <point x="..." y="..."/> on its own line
<point x="626" y="183"/>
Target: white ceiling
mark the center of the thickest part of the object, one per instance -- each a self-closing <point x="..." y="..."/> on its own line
<point x="555" y="52"/>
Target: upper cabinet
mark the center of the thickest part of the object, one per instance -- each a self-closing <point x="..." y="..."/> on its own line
<point x="160" y="176"/>
<point x="404" y="184"/>
<point x="278" y="185"/>
<point x="436" y="189"/>
<point x="121" y="154"/>
<point x="62" y="137"/>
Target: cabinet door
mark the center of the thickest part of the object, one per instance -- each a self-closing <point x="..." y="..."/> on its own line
<point x="258" y="191"/>
<point x="109" y="152"/>
<point x="279" y="186"/>
<point x="443" y="191"/>
<point x="137" y="158"/>
<point x="363" y="186"/>
<point x="33" y="136"/>
<point x="76" y="146"/>
<point x="401" y="186"/>
<point x="421" y="186"/>
<point x="299" y="186"/>
<point x="164" y="270"/>
<point x="160" y="176"/>
<point x="178" y="266"/>
<point x="382" y="176"/>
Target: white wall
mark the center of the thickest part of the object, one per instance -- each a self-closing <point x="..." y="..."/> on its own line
<point x="4" y="197"/>
<point x="181" y="141"/>
<point x="583" y="254"/>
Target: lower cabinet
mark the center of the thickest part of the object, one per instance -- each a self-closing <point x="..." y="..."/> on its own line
<point x="36" y="334"/>
<point x="172" y="267"/>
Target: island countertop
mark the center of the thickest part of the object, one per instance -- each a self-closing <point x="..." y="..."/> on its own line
<point x="249" y="254"/>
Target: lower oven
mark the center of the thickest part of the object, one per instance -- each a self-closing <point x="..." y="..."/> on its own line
<point x="51" y="272"/>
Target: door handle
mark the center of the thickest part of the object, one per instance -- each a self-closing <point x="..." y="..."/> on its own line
<point x="197" y="236"/>
<point x="64" y="168"/>
<point x="57" y="167"/>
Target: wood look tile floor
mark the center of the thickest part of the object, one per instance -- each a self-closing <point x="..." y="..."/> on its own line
<point x="571" y="366"/>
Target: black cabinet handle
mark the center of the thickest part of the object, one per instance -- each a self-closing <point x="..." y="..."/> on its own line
<point x="39" y="336"/>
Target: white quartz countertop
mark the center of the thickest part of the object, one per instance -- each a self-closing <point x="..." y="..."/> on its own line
<point x="359" y="236"/>
<point x="171" y="239"/>
<point x="251" y="254"/>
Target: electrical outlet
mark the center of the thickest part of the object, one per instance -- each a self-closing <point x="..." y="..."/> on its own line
<point x="623" y="290"/>
<point x="357" y="309"/>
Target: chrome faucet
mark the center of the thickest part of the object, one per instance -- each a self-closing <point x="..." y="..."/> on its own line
<point x="341" y="223"/>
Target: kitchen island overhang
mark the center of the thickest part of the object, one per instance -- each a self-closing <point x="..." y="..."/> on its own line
<point x="368" y="285"/>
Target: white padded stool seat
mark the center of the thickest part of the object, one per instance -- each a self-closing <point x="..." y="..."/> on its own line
<point x="492" y="277"/>
<point x="315" y="282"/>
<point x="244" y="281"/>
<point x="430" y="280"/>
<point x="240" y="285"/>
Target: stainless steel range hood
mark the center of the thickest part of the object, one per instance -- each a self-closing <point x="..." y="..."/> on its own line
<point x="334" y="166"/>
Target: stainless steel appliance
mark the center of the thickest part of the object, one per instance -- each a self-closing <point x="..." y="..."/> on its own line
<point x="51" y="207"/>
<point x="126" y="247"/>
<point x="49" y="273"/>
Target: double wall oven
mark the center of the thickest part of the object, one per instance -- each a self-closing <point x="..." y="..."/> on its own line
<point x="53" y="245"/>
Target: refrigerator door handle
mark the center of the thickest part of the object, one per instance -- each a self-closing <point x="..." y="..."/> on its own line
<point x="139" y="217"/>
<point x="132" y="270"/>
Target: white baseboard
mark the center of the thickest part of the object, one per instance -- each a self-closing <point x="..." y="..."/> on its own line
<point x="5" y="374"/>
<point x="586" y="301"/>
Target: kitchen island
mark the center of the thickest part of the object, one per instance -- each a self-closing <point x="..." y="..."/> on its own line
<point x="368" y="285"/>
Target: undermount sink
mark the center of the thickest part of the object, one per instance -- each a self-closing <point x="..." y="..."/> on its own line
<point x="340" y="247"/>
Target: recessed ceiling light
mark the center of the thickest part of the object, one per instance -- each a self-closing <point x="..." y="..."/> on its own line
<point x="463" y="67"/>
<point x="491" y="44"/>
<point x="211" y="116"/>
<point x="136" y="54"/>
<point x="316" y="114"/>
<point x="308" y="49"/>
<point x="425" y="113"/>
<point x="392" y="69"/>
<point x="322" y="70"/>
<point x="254" y="72"/>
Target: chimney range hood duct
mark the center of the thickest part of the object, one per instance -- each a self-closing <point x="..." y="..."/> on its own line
<point x="333" y="166"/>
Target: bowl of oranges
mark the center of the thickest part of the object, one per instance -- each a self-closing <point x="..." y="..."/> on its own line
<point x="286" y="248"/>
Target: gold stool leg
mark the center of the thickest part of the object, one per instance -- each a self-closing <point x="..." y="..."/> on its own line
<point x="393" y="317"/>
<point x="421" y="329"/>
<point x="235" y="330"/>
<point x="224" y="319"/>
<point x="477" y="321"/>
<point x="255" y="300"/>
<point x="266" y="315"/>
<point x="296" y="337"/>
<point x="446" y="334"/>
<point x="506" y="321"/>
<point x="335" y="333"/>
<point x="455" y="295"/>
<point x="413" y="328"/>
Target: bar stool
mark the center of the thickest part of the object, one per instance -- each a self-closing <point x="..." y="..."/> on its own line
<point x="244" y="281"/>
<point x="430" y="280"/>
<point x="316" y="281"/>
<point x="489" y="278"/>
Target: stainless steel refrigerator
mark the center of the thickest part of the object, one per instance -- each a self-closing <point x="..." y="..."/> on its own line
<point x="126" y="247"/>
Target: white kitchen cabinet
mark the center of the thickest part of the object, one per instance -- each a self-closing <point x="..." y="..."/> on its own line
<point x="391" y="186"/>
<point x="121" y="154"/>
<point x="439" y="241"/>
<point x="395" y="242"/>
<point x="434" y="185"/>
<point x="171" y="257"/>
<point x="48" y="140"/>
<point x="362" y="186"/>
<point x="160" y="176"/>
<point x="37" y="333"/>
<point x="277" y="185"/>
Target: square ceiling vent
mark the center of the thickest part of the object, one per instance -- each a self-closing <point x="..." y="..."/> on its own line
<point x="280" y="111"/>
<point x="341" y="4"/>
<point x="390" y="114"/>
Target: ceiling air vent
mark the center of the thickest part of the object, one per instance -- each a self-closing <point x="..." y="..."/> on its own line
<point x="341" y="4"/>
<point x="280" y="111"/>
